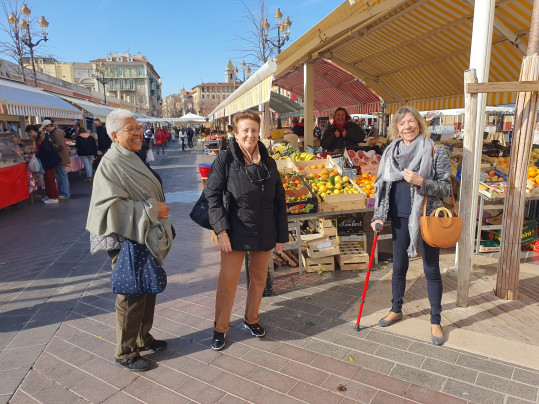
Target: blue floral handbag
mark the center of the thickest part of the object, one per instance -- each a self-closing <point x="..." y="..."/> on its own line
<point x="136" y="272"/>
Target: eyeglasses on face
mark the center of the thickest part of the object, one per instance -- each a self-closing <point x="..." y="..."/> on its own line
<point x="130" y="129"/>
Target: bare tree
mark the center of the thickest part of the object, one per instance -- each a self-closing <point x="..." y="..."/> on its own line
<point x="255" y="50"/>
<point x="13" y="48"/>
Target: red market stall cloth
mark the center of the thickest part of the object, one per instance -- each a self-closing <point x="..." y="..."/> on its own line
<point x="76" y="165"/>
<point x="14" y="184"/>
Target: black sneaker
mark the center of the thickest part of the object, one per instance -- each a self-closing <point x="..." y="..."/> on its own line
<point x="256" y="329"/>
<point x="218" y="341"/>
<point x="155" y="346"/>
<point x="136" y="364"/>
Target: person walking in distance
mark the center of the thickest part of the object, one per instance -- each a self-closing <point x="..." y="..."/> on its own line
<point x="190" y="135"/>
<point x="103" y="139"/>
<point x="57" y="136"/>
<point x="86" y="150"/>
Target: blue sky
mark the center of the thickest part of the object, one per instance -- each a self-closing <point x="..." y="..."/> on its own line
<point x="188" y="42"/>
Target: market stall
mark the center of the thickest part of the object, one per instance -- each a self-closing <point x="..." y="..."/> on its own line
<point x="13" y="173"/>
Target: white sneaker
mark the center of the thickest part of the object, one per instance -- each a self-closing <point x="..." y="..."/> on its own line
<point x="45" y="198"/>
<point x="49" y="201"/>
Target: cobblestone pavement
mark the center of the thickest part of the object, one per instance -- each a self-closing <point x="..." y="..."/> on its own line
<point x="57" y="326"/>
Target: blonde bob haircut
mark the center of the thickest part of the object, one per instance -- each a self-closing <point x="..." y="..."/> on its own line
<point x="401" y="113"/>
<point x="251" y="115"/>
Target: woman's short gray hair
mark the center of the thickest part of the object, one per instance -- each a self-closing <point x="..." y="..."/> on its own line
<point x="116" y="118"/>
<point x="401" y="113"/>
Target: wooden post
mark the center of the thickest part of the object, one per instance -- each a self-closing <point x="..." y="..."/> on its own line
<point x="525" y="117"/>
<point x="465" y="245"/>
<point x="308" y="103"/>
<point x="507" y="280"/>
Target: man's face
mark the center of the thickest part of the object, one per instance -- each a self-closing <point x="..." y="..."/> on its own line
<point x="97" y="123"/>
<point x="49" y="128"/>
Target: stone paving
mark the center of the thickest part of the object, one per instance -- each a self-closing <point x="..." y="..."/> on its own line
<point x="57" y="326"/>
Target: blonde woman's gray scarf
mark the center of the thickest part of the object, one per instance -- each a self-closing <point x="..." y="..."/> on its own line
<point x="416" y="157"/>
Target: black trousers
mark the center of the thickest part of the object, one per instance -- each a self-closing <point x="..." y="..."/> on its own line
<point x="431" y="267"/>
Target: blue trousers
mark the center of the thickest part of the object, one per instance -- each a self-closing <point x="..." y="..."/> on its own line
<point x="431" y="267"/>
<point x="87" y="161"/>
<point x="63" y="181"/>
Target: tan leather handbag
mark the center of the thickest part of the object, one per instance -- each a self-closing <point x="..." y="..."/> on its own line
<point x="440" y="231"/>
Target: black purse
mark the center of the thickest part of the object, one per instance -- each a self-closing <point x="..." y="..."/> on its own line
<point x="136" y="272"/>
<point x="199" y="213"/>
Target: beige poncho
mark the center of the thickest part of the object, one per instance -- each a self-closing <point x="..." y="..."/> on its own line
<point x="125" y="201"/>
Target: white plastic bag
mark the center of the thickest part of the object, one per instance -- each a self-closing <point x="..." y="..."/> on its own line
<point x="149" y="156"/>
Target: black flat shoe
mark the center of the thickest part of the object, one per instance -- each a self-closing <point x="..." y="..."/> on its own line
<point x="438" y="341"/>
<point x="218" y="341"/>
<point x="255" y="329"/>
<point x="156" y="346"/>
<point x="136" y="364"/>
<point x="386" y="323"/>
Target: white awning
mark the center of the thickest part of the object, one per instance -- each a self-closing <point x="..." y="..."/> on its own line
<point x="23" y="100"/>
<point x="97" y="110"/>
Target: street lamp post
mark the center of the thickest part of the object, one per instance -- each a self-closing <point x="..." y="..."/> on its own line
<point x="283" y="30"/>
<point x="26" y="37"/>
<point x="99" y="75"/>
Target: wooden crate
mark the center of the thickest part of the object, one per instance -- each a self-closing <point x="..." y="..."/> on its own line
<point x="325" y="264"/>
<point x="334" y="203"/>
<point x="325" y="227"/>
<point x="352" y="257"/>
<point x="322" y="248"/>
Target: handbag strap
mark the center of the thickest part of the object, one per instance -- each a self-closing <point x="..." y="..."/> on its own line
<point x="426" y="197"/>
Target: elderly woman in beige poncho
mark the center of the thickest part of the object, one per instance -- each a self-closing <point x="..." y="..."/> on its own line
<point x="128" y="203"/>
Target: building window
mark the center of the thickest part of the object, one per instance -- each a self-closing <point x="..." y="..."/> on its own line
<point x="120" y="72"/>
<point x="120" y="59"/>
<point x="141" y="72"/>
<point x="213" y="96"/>
<point x="131" y="85"/>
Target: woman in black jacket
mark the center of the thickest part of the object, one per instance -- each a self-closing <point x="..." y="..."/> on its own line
<point x="342" y="132"/>
<point x="246" y="180"/>
<point x="86" y="150"/>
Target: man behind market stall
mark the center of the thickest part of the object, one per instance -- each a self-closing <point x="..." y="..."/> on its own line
<point x="103" y="139"/>
<point x="58" y="138"/>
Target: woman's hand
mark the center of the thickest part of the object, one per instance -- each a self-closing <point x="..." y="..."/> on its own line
<point x="413" y="178"/>
<point x="337" y="133"/>
<point x="224" y="242"/>
<point x="343" y="132"/>
<point x="163" y="210"/>
<point x="375" y="222"/>
<point x="279" y="247"/>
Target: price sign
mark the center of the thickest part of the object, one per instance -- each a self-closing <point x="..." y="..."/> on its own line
<point x="349" y="172"/>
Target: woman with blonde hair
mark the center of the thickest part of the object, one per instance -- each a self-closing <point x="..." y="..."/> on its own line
<point x="410" y="173"/>
<point x="247" y="211"/>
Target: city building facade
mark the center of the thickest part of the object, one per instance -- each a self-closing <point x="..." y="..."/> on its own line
<point x="206" y="96"/>
<point x="72" y="72"/>
<point x="132" y="78"/>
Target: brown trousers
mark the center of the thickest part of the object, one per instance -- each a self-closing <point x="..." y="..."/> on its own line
<point x="229" y="277"/>
<point x="134" y="320"/>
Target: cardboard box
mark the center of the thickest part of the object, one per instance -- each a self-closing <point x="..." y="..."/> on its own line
<point x="529" y="233"/>
<point x="308" y="205"/>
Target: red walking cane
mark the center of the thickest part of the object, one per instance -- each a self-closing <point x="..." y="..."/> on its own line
<point x="378" y="229"/>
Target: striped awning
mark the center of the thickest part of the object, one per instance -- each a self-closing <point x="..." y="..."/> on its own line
<point x="23" y="100"/>
<point x="97" y="110"/>
<point x="333" y="87"/>
<point x="414" y="52"/>
<point x="255" y="91"/>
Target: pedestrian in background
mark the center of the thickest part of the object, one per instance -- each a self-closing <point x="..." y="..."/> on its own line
<point x="342" y="132"/>
<point x="253" y="218"/>
<point x="183" y="137"/>
<point x="87" y="151"/>
<point x="47" y="154"/>
<point x="103" y="139"/>
<point x="190" y="135"/>
<point x="57" y="137"/>
<point x="409" y="174"/>
<point x="160" y="141"/>
<point x="128" y="202"/>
